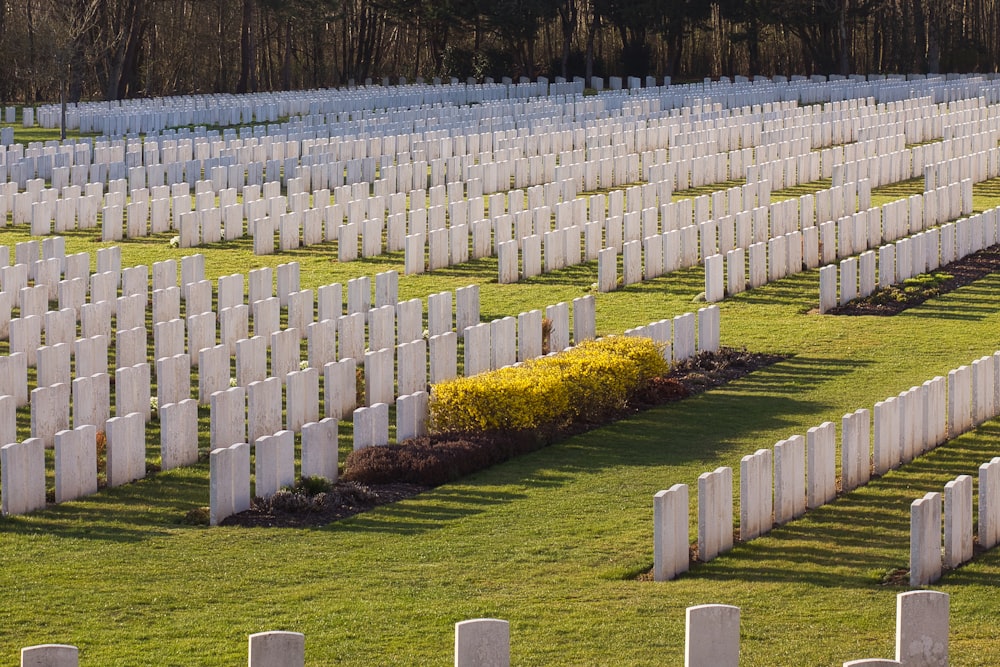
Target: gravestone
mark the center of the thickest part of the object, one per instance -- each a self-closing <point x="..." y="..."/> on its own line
<point x="50" y="655"/>
<point x="233" y="326"/>
<point x="302" y="405"/>
<point x="201" y="336"/>
<point x="379" y="376"/>
<point x="277" y="649"/>
<point x="409" y="320"/>
<point x="712" y="636"/>
<point x="91" y="400"/>
<point x="715" y="513"/>
<point x="168" y="338"/>
<point x="266" y="317"/>
<point x="466" y="308"/>
<point x="126" y="449"/>
<point x="321" y="346"/>
<point x="75" y="463"/>
<point x="607" y="270"/>
<point x="251" y="360"/>
<point x="49" y="412"/>
<point x="922" y="629"/>
<point x="503" y="342"/>
<point x="789" y="479"/>
<point x="340" y="388"/>
<point x="173" y="379"/>
<point x="412" y="367"/>
<point x="213" y="372"/>
<point x="670" y="533"/>
<point x="285" y="353"/>
<point x="320" y="449"/>
<point x="756" y="497"/>
<point x="482" y="642"/>
<point x="855" y="449"/>
<point x="264" y="408"/>
<point x="229" y="485"/>
<point x="443" y="357"/>
<point x="274" y="463"/>
<point x="228" y="418"/>
<point x="371" y="426"/>
<point x="351" y="335"/>
<point x="958" y="521"/>
<point x="178" y="434"/>
<point x="22" y="476"/>
<point x="821" y="474"/>
<point x="584" y="319"/>
<point x="411" y="415"/>
<point x="478" y="348"/>
<point x="684" y="336"/>
<point x="989" y="503"/>
<point x="886" y="451"/>
<point x="529" y="335"/>
<point x="558" y="316"/>
<point x="925" y="540"/>
<point x="300" y="311"/>
<point x="53" y="365"/>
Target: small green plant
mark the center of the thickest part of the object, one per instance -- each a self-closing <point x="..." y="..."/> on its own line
<point x="928" y="280"/>
<point x="199" y="516"/>
<point x="313" y="485"/>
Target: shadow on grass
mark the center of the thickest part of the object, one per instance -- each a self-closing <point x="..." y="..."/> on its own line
<point x="130" y="513"/>
<point x="799" y="373"/>
<point x="788" y="291"/>
<point x="972" y="303"/>
<point x="431" y="510"/>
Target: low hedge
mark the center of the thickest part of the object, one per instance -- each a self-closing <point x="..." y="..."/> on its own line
<point x="581" y="384"/>
<point x="435" y="460"/>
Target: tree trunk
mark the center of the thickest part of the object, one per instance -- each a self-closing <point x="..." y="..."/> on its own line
<point x="843" y="56"/>
<point x="248" y="56"/>
<point x="753" y="45"/>
<point x="286" y="62"/>
<point x="568" y="15"/>
<point x="592" y="28"/>
<point x="933" y="39"/>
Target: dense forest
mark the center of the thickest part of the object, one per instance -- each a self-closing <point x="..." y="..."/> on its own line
<point x="115" y="49"/>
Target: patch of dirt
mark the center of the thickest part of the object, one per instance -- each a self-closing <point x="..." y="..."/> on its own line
<point x="297" y="509"/>
<point x="897" y="577"/>
<point x="895" y="299"/>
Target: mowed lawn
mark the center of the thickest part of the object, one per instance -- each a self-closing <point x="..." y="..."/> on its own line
<point x="553" y="541"/>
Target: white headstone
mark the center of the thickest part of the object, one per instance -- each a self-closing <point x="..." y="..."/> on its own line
<point x="922" y="629"/>
<point x="670" y="533"/>
<point x="712" y="636"/>
<point x="482" y="642"/>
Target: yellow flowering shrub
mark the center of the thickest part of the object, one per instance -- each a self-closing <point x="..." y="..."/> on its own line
<point x="579" y="384"/>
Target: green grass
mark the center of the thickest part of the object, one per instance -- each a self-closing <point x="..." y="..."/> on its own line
<point x="551" y="541"/>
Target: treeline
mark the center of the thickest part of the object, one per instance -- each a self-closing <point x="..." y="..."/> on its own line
<point x="115" y="49"/>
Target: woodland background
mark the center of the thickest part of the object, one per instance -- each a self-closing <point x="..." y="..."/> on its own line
<point x="115" y="49"/>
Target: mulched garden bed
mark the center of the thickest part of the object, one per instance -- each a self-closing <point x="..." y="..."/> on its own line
<point x="897" y="298"/>
<point x="444" y="457"/>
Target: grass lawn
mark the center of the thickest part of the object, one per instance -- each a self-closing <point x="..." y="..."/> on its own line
<point x="552" y="541"/>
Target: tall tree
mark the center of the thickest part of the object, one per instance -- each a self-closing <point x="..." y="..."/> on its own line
<point x="517" y="23"/>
